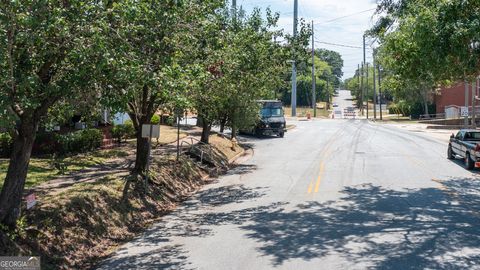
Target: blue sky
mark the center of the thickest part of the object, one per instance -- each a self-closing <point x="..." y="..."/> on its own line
<point x="336" y="21"/>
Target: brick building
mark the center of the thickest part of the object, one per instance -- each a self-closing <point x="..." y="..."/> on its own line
<point x="454" y="95"/>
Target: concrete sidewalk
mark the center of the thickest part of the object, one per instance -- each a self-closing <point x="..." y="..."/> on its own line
<point x="439" y="134"/>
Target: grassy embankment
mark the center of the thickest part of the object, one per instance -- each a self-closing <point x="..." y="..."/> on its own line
<point x="78" y="226"/>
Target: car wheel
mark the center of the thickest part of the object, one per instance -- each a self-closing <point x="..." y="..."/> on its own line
<point x="450" y="152"/>
<point x="281" y="134"/>
<point x="468" y="162"/>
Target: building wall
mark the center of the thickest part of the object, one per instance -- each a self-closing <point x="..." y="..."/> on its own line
<point x="454" y="95"/>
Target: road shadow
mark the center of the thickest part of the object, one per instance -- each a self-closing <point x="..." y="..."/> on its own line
<point x="378" y="228"/>
<point x="368" y="227"/>
<point x="461" y="163"/>
<point x="167" y="257"/>
<point x="153" y="249"/>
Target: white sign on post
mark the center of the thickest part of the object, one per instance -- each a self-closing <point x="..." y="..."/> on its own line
<point x="151" y="131"/>
<point x="464" y="111"/>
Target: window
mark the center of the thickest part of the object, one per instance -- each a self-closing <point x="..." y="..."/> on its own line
<point x="472" y="136"/>
<point x="272" y="112"/>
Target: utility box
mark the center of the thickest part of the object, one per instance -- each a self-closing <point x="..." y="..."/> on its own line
<point x="452" y="113"/>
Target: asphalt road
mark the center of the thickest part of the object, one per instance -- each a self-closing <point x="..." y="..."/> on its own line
<point x="332" y="194"/>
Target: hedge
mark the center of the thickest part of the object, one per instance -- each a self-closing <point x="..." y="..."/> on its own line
<point x="123" y="132"/>
<point x="5" y="145"/>
<point x="80" y="141"/>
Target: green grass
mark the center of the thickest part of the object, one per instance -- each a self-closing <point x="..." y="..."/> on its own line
<point x="41" y="170"/>
<point x="302" y="112"/>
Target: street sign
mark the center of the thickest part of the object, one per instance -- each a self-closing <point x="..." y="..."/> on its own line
<point x="464" y="111"/>
<point x="150" y="131"/>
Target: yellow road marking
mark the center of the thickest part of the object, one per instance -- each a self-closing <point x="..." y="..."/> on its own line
<point x="324" y="154"/>
<point x="319" y="178"/>
<point x="310" y="187"/>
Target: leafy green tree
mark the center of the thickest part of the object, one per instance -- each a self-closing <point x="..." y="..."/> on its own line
<point x="150" y="68"/>
<point x="254" y="71"/>
<point x="334" y="59"/>
<point x="427" y="43"/>
<point x="324" y="90"/>
<point x="48" y="52"/>
<point x="242" y="64"/>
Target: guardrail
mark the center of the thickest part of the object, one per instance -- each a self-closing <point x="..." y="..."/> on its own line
<point x="191" y="145"/>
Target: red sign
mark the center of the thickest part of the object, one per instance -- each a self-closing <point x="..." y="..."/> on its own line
<point x="31" y="200"/>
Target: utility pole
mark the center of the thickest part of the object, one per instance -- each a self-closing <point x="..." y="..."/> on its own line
<point x="294" y="63"/>
<point x="466" y="103"/>
<point x="234" y="10"/>
<point x="366" y="88"/>
<point x="314" y="94"/>
<point x="361" y="94"/>
<point x="374" y="89"/>
<point x="363" y="71"/>
<point x="380" y="90"/>
<point x="358" y="82"/>
<point x="474" y="110"/>
<point x="328" y="93"/>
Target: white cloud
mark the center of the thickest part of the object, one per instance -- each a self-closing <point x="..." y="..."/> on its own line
<point x="348" y="30"/>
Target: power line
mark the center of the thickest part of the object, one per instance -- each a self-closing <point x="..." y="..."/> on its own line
<point x="338" y="45"/>
<point x="346" y="16"/>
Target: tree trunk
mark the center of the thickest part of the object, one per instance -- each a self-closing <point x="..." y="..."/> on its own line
<point x="206" y="127"/>
<point x="234" y="131"/>
<point x="425" y="103"/>
<point x="142" y="153"/>
<point x="199" y="121"/>
<point x="12" y="191"/>
<point x="223" y="122"/>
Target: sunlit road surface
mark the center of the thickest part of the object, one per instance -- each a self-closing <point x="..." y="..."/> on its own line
<point x="332" y="194"/>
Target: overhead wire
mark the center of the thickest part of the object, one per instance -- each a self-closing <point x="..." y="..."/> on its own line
<point x="345" y="16"/>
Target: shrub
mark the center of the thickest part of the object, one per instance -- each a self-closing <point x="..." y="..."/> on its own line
<point x="410" y="109"/>
<point x="170" y="121"/>
<point x="155" y="119"/>
<point x="6" y="143"/>
<point x="129" y="129"/>
<point x="45" y="143"/>
<point x="123" y="132"/>
<point x="80" y="141"/>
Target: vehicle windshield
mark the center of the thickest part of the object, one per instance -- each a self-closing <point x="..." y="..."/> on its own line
<point x="472" y="136"/>
<point x="271" y="112"/>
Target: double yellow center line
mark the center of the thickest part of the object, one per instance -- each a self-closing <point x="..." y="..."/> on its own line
<point x="319" y="179"/>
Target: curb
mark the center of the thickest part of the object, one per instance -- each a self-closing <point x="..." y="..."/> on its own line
<point x="233" y="159"/>
<point x="290" y="127"/>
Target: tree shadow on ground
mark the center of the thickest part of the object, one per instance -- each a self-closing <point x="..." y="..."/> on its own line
<point x="155" y="253"/>
<point x="369" y="226"/>
<point x="167" y="257"/>
<point x="377" y="227"/>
